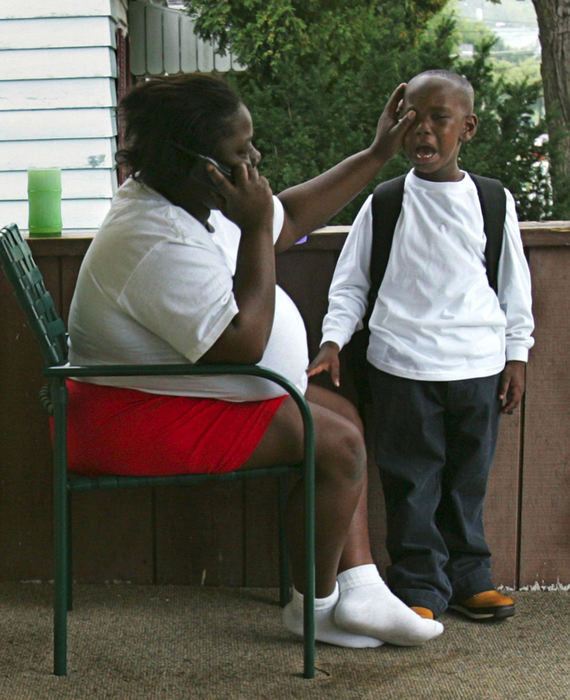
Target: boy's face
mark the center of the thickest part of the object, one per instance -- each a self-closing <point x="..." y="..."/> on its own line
<point x="443" y="122"/>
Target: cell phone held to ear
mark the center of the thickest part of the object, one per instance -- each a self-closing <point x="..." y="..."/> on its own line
<point x="224" y="169"/>
<point x="199" y="171"/>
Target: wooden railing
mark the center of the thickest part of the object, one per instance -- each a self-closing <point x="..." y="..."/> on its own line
<point x="223" y="534"/>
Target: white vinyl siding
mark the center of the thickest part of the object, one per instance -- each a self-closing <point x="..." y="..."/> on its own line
<point x="68" y="154"/>
<point x="58" y="93"/>
<point x="58" y="74"/>
<point x="63" y="123"/>
<point x="57" y="33"/>
<point x="23" y="9"/>
<point x="57" y="63"/>
<point x="77" y="184"/>
<point x="53" y="94"/>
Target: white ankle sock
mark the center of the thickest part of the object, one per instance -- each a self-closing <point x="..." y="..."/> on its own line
<point x="367" y="606"/>
<point x="325" y="628"/>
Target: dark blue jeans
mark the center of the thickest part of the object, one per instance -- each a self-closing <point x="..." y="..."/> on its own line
<point x="434" y="444"/>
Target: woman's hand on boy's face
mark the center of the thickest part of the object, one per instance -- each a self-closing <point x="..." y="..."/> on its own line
<point x="391" y="127"/>
<point x="326" y="361"/>
<point x="512" y="385"/>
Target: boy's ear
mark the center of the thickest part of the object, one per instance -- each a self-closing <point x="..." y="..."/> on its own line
<point x="469" y="128"/>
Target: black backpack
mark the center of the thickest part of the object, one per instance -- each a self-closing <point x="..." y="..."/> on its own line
<point x="386" y="207"/>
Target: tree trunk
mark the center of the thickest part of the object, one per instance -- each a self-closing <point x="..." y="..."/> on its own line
<point x="554" y="30"/>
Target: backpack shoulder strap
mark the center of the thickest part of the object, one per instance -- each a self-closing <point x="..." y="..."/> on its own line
<point x="386" y="207"/>
<point x="494" y="207"/>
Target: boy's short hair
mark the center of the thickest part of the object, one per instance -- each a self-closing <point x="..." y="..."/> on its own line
<point x="460" y="81"/>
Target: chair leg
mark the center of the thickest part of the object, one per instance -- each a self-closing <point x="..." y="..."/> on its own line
<point x="284" y="581"/>
<point x="69" y="554"/>
<point x="60" y="502"/>
<point x="309" y="593"/>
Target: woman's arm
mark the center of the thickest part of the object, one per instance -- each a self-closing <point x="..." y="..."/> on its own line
<point x="310" y="205"/>
<point x="249" y="204"/>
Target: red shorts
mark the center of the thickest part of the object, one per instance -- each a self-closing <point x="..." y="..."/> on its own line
<point x="130" y="432"/>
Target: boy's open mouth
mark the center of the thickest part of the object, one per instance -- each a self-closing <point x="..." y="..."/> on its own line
<point x="425" y="153"/>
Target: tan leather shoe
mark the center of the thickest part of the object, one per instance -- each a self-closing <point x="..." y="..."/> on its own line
<point x="486" y="605"/>
<point x="423" y="612"/>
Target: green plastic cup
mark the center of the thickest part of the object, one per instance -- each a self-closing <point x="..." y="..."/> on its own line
<point x="44" y="199"/>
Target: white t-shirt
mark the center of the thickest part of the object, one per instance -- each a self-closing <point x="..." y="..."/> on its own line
<point x="435" y="318"/>
<point x="156" y="287"/>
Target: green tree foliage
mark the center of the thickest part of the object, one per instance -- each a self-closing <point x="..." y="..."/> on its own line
<point x="508" y="143"/>
<point x="320" y="71"/>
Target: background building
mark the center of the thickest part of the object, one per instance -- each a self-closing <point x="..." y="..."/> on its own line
<point x="64" y="64"/>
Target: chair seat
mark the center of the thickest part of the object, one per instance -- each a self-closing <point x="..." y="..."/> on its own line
<point x="80" y="482"/>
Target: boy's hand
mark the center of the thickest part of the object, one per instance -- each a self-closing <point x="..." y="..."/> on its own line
<point x="327" y="361"/>
<point x="511" y="387"/>
<point x="391" y="129"/>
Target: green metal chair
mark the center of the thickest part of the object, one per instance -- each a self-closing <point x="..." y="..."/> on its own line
<point x="50" y="332"/>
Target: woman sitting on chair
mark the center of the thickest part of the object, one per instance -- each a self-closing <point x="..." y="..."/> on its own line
<point x="183" y="270"/>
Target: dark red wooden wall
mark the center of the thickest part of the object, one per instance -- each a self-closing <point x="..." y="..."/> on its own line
<point x="225" y="534"/>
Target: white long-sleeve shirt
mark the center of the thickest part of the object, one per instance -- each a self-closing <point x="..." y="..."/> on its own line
<point x="435" y="318"/>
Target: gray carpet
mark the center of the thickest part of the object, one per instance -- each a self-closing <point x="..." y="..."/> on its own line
<point x="136" y="642"/>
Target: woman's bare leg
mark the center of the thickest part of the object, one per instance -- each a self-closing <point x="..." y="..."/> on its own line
<point x="340" y="466"/>
<point x="357" y="545"/>
<point x="366" y="610"/>
<point x="366" y="606"/>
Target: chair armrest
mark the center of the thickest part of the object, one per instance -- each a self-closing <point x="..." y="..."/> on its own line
<point x="64" y="371"/>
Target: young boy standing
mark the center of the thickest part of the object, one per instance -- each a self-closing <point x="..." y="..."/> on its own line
<point x="446" y="356"/>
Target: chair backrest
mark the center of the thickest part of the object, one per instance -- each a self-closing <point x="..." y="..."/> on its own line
<point x="33" y="296"/>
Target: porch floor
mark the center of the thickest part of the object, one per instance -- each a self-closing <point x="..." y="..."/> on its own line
<point x="170" y="642"/>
